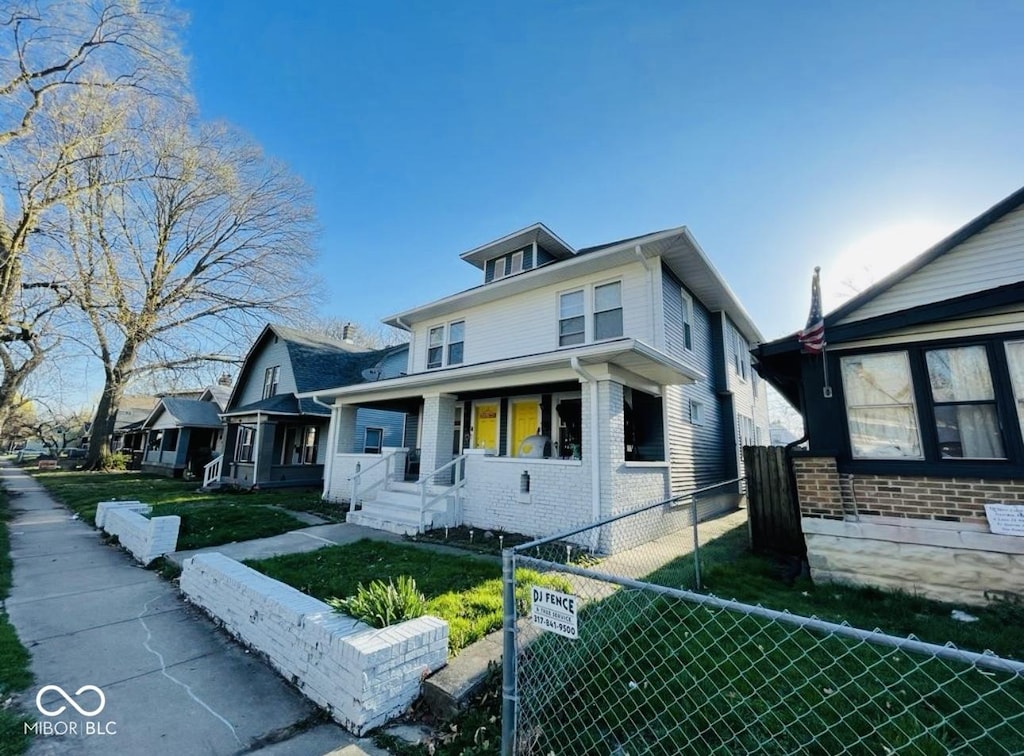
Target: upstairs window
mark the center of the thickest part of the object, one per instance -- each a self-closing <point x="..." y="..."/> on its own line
<point x="456" y="337"/>
<point x="571" y="319"/>
<point x="510" y="264"/>
<point x="435" y="347"/>
<point x="608" y="311"/>
<point x="687" y="321"/>
<point x="270" y="378"/>
<point x="741" y="357"/>
<point x="445" y="345"/>
<point x="965" y="404"/>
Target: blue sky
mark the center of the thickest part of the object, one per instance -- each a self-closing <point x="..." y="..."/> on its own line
<point x="783" y="134"/>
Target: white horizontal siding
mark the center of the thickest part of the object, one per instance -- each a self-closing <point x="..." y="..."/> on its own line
<point x="992" y="258"/>
<point x="527" y="323"/>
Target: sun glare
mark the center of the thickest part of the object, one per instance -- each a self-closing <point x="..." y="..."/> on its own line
<point x="874" y="256"/>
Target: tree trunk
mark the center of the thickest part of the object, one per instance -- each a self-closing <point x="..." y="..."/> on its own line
<point x="102" y="431"/>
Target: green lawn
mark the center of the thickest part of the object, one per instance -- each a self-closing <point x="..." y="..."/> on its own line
<point x="652" y="674"/>
<point x="14" y="659"/>
<point x="463" y="590"/>
<point x="207" y="519"/>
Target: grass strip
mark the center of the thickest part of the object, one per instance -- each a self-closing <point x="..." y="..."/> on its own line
<point x="15" y="675"/>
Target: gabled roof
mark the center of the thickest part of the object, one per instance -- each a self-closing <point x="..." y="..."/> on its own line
<point x="187" y="413"/>
<point x="217" y="394"/>
<point x="676" y="246"/>
<point x="314" y="358"/>
<point x="954" y="240"/>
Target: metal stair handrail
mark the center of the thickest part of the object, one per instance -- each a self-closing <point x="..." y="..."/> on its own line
<point x="460" y="481"/>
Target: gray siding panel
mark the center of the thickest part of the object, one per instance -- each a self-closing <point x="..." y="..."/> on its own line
<point x="271" y="355"/>
<point x="694" y="450"/>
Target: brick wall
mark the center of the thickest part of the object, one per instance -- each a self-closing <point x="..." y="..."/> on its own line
<point x="362" y="676"/>
<point x="818" y="487"/>
<point x="145" y="539"/>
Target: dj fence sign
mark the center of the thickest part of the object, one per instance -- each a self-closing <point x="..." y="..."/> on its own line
<point x="554" y="611"/>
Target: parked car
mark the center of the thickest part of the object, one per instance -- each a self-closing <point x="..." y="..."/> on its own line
<point x="30" y="452"/>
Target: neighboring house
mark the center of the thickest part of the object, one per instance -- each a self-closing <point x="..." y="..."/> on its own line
<point x="128" y="436"/>
<point x="570" y="385"/>
<point x="183" y="434"/>
<point x="921" y="425"/>
<point x="272" y="437"/>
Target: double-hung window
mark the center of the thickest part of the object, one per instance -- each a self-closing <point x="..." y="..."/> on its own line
<point x="964" y="402"/>
<point x="608" y="311"/>
<point x="880" y="406"/>
<point x="571" y="319"/>
<point x="270" y="379"/>
<point x="687" y="320"/>
<point x="244" y="448"/>
<point x="435" y="347"/>
<point x="311" y="439"/>
<point x="456" y="337"/>
<point x="445" y="345"/>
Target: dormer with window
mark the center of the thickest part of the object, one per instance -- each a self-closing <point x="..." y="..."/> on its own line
<point x="520" y="252"/>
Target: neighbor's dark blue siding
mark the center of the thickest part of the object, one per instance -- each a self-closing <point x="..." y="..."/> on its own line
<point x="695" y="451"/>
<point x="393" y="424"/>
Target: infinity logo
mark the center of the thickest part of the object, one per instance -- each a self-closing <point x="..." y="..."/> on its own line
<point x="56" y="688"/>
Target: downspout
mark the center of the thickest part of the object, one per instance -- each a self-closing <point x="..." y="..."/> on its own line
<point x="256" y="458"/>
<point x="595" y="468"/>
<point x="332" y="432"/>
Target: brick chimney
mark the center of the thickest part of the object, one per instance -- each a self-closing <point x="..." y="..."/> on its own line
<point x="224" y="380"/>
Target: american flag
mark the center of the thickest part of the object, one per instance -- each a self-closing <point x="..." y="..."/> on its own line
<point x="812" y="338"/>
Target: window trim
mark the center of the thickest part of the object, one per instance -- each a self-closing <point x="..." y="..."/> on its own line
<point x="582" y="291"/>
<point x="250" y="433"/>
<point x="595" y="312"/>
<point x="366" y="439"/>
<point x="445" y="345"/>
<point x="696" y="412"/>
<point x="935" y="404"/>
<point x="271" y="380"/>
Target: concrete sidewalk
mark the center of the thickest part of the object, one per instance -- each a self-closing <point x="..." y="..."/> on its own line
<point x="173" y="683"/>
<point x="292" y="542"/>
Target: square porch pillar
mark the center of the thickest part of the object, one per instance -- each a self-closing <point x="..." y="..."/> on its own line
<point x="611" y="441"/>
<point x="438" y="426"/>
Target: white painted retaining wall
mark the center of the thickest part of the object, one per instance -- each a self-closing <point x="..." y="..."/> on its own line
<point x="338" y="487"/>
<point x="146" y="539"/>
<point x="361" y="675"/>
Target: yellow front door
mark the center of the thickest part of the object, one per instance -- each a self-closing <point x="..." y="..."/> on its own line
<point x="485" y="426"/>
<point x="525" y="422"/>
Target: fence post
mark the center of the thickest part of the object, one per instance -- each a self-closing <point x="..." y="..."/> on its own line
<point x="508" y="656"/>
<point x="696" y="541"/>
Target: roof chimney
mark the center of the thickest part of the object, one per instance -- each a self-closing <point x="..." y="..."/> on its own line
<point x="224" y="380"/>
<point x="348" y="331"/>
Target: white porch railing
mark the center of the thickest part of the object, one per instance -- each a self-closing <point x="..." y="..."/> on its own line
<point x="453" y="492"/>
<point x="359" y="491"/>
<point x="212" y="470"/>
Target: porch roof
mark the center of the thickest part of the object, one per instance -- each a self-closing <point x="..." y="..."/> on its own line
<point x="629" y="355"/>
<point x="280" y="404"/>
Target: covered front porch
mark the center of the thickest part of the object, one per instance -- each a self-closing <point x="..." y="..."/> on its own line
<point x="532" y="445"/>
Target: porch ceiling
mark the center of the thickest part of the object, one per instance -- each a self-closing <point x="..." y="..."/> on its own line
<point x="626" y="354"/>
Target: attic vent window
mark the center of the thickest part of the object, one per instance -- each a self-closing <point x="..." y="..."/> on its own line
<point x="510" y="264"/>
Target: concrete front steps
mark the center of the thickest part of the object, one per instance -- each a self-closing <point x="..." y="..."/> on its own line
<point x="397" y="510"/>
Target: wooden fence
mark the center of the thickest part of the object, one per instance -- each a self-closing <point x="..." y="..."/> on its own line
<point x="773" y="509"/>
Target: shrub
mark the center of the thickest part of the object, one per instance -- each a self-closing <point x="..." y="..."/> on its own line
<point x="115" y="461"/>
<point x="381" y="604"/>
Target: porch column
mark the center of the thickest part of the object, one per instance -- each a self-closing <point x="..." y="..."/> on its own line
<point x="610" y="453"/>
<point x="438" y="426"/>
<point x="265" y="439"/>
<point x="345" y="437"/>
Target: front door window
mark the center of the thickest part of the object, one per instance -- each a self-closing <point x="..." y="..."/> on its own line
<point x="485" y="425"/>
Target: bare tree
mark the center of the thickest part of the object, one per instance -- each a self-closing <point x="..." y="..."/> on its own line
<point x="179" y="267"/>
<point x="57" y="59"/>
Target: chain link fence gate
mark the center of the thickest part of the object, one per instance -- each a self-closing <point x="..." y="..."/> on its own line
<point x="654" y="668"/>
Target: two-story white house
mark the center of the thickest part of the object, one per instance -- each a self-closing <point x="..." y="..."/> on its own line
<point x="569" y="386"/>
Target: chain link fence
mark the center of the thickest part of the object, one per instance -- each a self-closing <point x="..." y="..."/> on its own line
<point x="635" y="662"/>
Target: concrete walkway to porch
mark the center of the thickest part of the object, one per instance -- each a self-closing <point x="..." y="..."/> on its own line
<point x="172" y="682"/>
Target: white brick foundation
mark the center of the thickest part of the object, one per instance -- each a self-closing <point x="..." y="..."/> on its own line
<point x="361" y="675"/>
<point x="145" y="539"/>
